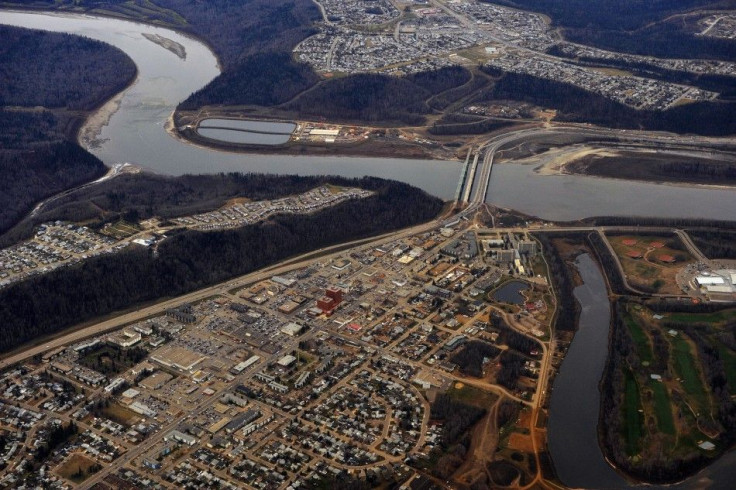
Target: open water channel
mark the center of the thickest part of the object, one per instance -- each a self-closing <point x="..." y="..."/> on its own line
<point x="135" y="133"/>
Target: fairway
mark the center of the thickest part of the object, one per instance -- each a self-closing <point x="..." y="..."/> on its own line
<point x="688" y="372"/>
<point x="633" y="421"/>
<point x="710" y="318"/>
<point x="662" y="408"/>
<point x="640" y="338"/>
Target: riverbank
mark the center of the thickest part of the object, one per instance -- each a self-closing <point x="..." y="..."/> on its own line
<point x="90" y="130"/>
<point x="646" y="166"/>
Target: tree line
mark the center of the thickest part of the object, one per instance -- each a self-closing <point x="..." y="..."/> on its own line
<point x="568" y="308"/>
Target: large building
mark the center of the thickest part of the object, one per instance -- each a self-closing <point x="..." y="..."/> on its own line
<point x="718" y="285"/>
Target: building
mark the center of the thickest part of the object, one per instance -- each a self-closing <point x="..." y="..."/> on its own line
<point x="178" y="357"/>
<point x="505" y="256"/>
<point x="326" y="305"/>
<point x="177" y="436"/>
<point x="292" y="329"/>
<point x="115" y="384"/>
<point x="527" y="247"/>
<point x="126" y="338"/>
<point x="244" y="418"/>
<point x="286" y="361"/>
<point x="335" y="294"/>
<point x="156" y="381"/>
<point x="142" y="409"/>
<point x="242" y="366"/>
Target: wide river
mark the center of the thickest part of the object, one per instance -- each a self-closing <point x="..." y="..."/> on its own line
<point x="135" y="134"/>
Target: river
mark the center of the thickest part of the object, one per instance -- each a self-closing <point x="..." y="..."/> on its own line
<point x="135" y="133"/>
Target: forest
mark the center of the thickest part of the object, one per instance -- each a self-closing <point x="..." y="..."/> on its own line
<point x="42" y="170"/>
<point x="635" y="26"/>
<point x="456" y="418"/>
<point x="264" y="79"/>
<point x="378" y="98"/>
<point x="41" y="107"/>
<point x="658" y="168"/>
<point x="190" y="260"/>
<point x="56" y="70"/>
<point x="470" y="358"/>
<point x="715" y="244"/>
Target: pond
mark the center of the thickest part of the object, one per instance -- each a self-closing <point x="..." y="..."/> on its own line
<point x="511" y="292"/>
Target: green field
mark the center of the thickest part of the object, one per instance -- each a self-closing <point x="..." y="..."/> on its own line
<point x="662" y="408"/>
<point x="710" y="318"/>
<point x="632" y="405"/>
<point x="729" y="365"/>
<point x="688" y="372"/>
<point x="472" y="396"/>
<point x="640" y="339"/>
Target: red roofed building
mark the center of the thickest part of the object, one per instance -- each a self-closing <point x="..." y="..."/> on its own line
<point x="335" y="294"/>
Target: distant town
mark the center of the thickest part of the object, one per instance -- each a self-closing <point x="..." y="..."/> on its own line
<point x="469" y="32"/>
<point x="58" y="244"/>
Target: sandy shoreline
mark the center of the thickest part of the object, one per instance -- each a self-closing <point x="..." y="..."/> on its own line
<point x="88" y="135"/>
<point x="558" y="161"/>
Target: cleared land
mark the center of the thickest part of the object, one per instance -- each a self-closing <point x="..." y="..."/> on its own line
<point x="77" y="468"/>
<point x="658" y="167"/>
<point x="651" y="263"/>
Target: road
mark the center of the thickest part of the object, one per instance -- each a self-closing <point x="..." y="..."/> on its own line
<point x="477" y="196"/>
<point x="156" y="309"/>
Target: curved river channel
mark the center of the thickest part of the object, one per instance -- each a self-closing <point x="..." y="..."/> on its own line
<point x="135" y="133"/>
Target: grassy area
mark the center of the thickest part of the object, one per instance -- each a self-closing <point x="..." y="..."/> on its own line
<point x="710" y="318"/>
<point x="120" y="414"/>
<point x="651" y="269"/>
<point x="78" y="468"/>
<point x="729" y="365"/>
<point x="633" y="417"/>
<point x="472" y="395"/>
<point x="663" y="408"/>
<point x="687" y="370"/>
<point x="640" y="338"/>
<point x="110" y="359"/>
<point x="120" y="230"/>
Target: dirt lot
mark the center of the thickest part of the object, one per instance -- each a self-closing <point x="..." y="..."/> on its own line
<point x="76" y="468"/>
